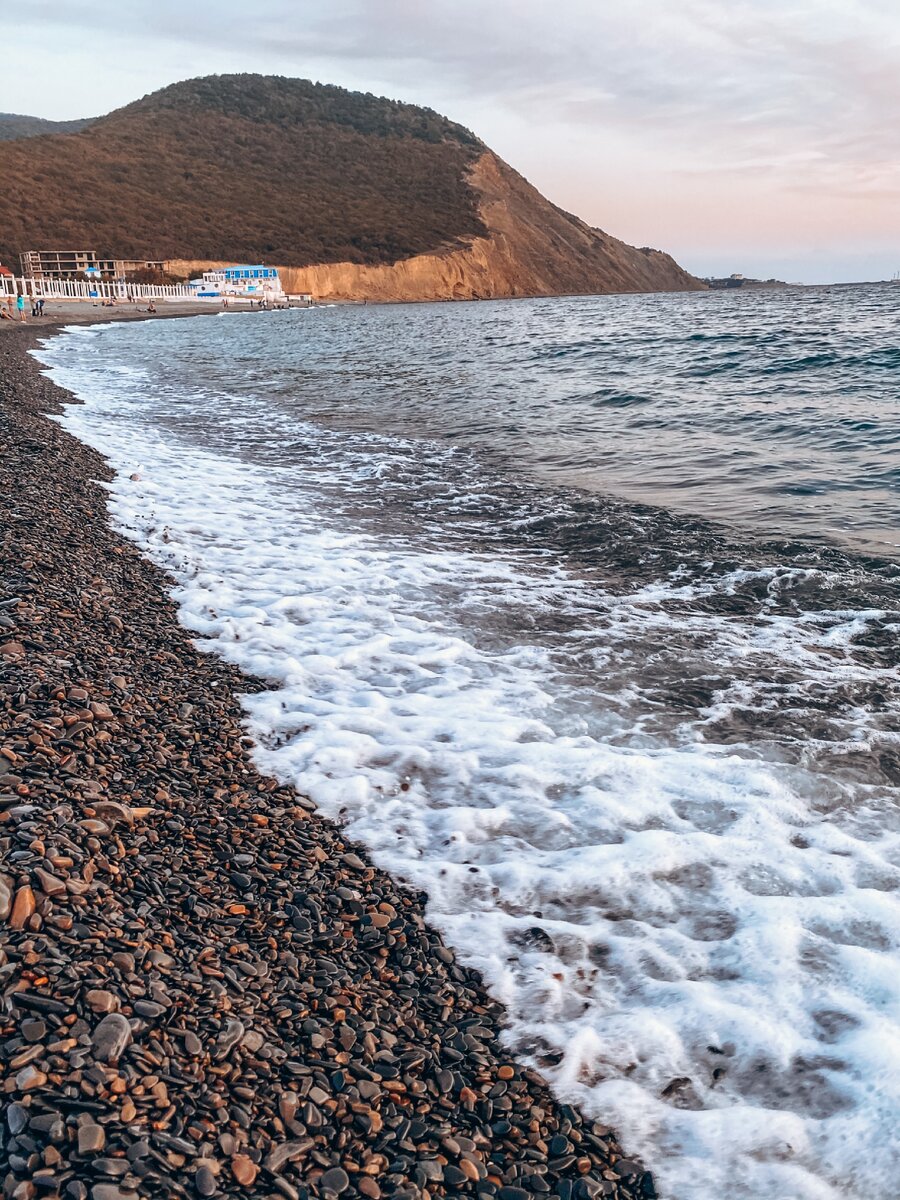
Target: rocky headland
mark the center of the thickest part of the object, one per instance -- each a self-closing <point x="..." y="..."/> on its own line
<point x="351" y="196"/>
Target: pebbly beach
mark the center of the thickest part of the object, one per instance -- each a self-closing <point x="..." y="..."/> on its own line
<point x="207" y="990"/>
<point x="88" y="312"/>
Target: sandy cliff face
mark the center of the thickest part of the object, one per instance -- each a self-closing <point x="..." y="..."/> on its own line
<point x="533" y="248"/>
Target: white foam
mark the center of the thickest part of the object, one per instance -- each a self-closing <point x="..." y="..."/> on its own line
<point x="696" y="945"/>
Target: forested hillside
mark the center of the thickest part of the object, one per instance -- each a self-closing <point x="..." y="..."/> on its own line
<point x="250" y="168"/>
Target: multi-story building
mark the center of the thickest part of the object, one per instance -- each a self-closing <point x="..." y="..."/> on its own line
<point x="75" y="264"/>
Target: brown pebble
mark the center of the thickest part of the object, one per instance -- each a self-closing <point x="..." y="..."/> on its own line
<point x="287" y="1105"/>
<point x="23" y="907"/>
<point x="101" y="1001"/>
<point x="91" y="1139"/>
<point x="244" y="1170"/>
<point x="50" y="884"/>
<point x="30" y="1078"/>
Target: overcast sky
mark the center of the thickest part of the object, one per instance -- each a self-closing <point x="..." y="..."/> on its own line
<point x="760" y="136"/>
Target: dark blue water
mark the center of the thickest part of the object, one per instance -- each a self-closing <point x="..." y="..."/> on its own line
<point x="776" y="411"/>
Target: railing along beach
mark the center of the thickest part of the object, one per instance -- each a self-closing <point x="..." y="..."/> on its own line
<point x="112" y="289"/>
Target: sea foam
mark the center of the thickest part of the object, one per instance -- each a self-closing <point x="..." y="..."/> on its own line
<point x="694" y="941"/>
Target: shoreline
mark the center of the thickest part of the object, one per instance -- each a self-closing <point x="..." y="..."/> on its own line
<point x="84" y="312"/>
<point x="209" y="991"/>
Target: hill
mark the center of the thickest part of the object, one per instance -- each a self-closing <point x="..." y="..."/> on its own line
<point x="15" y="125"/>
<point x="374" y="197"/>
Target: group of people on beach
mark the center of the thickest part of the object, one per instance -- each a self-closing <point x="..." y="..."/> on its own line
<point x="263" y="303"/>
<point x="18" y="305"/>
<point x="266" y="304"/>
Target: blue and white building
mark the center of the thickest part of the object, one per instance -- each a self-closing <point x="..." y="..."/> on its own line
<point x="250" y="282"/>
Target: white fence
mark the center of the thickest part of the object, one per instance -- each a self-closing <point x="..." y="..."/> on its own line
<point x="113" y="289"/>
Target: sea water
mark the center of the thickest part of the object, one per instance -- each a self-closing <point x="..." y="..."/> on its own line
<point x="583" y="616"/>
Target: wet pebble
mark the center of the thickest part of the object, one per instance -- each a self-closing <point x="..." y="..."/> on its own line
<point x="111" y="1037"/>
<point x="334" y="1180"/>
<point x="91" y="1138"/>
<point x="205" y="1182"/>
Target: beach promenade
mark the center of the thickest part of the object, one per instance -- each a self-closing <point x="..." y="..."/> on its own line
<point x="208" y="991"/>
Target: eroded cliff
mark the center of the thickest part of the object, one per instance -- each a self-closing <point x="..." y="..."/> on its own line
<point x="532" y="248"/>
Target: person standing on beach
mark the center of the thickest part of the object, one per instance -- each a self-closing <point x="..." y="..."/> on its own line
<point x="20" y="305"/>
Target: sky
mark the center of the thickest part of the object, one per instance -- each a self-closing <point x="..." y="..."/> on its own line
<point x="759" y="136"/>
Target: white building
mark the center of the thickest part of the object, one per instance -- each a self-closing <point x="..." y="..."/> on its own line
<point x="253" y="282"/>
